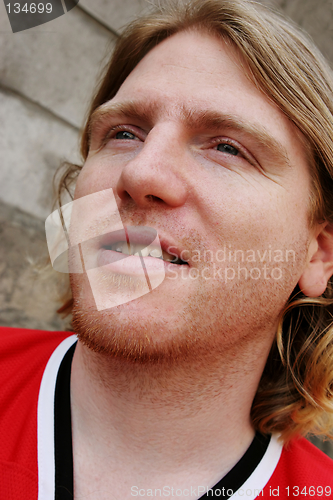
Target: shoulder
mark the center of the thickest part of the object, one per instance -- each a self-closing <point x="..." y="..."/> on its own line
<point x="22" y="350"/>
<point x="16" y="340"/>
<point x="24" y="355"/>
<point x="308" y="459"/>
<point x="302" y="465"/>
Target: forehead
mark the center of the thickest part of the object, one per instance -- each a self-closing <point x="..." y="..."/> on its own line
<point x="197" y="78"/>
<point x="198" y="72"/>
<point x="192" y="53"/>
<point x="193" y="68"/>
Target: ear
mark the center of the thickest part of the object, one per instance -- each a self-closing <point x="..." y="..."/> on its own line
<point x="319" y="269"/>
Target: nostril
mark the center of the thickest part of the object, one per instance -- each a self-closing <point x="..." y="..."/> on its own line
<point x="126" y="195"/>
<point x="151" y="197"/>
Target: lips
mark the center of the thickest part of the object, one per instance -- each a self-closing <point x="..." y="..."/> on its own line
<point x="140" y="241"/>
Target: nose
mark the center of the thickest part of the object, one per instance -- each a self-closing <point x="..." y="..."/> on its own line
<point x="157" y="172"/>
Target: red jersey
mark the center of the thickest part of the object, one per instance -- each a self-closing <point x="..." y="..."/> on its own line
<point x="30" y="361"/>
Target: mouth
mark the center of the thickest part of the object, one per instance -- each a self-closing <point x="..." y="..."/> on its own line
<point x="140" y="242"/>
<point x="144" y="251"/>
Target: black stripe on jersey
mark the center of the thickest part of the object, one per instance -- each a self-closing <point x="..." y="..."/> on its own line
<point x="237" y="476"/>
<point x="63" y="451"/>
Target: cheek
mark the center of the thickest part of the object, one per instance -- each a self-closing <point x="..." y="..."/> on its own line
<point x="86" y="182"/>
<point x="260" y="228"/>
<point x="256" y="199"/>
<point x="96" y="175"/>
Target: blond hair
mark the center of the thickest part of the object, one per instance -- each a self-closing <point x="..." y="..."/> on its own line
<point x="294" y="396"/>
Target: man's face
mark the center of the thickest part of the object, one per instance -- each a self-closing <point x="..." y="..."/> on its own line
<point x="194" y="150"/>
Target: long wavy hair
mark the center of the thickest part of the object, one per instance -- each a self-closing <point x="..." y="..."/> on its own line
<point x="294" y="396"/>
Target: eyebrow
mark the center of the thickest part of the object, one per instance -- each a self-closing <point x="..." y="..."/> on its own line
<point x="140" y="111"/>
<point x="193" y="119"/>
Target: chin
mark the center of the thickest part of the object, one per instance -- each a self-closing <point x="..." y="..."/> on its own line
<point x="127" y="332"/>
<point x="198" y="324"/>
<point x="141" y="330"/>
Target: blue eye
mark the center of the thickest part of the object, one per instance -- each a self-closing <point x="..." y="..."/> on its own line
<point x="227" y="148"/>
<point x="125" y="135"/>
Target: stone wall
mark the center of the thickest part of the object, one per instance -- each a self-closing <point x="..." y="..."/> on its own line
<point x="47" y="75"/>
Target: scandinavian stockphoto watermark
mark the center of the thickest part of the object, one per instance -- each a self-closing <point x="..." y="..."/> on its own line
<point x="122" y="263"/>
<point x="24" y="15"/>
<point x="229" y="264"/>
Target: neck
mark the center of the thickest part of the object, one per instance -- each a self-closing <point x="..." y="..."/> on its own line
<point x="190" y="413"/>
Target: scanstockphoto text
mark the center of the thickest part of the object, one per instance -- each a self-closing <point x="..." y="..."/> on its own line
<point x="191" y="492"/>
<point x="195" y="491"/>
